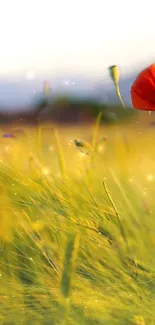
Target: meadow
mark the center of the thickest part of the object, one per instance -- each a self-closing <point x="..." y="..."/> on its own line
<point x="77" y="225"/>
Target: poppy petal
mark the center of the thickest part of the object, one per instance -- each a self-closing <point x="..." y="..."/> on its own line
<point x="143" y="90"/>
<point x="139" y="103"/>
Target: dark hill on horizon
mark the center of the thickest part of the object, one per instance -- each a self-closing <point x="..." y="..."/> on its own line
<point x="23" y="95"/>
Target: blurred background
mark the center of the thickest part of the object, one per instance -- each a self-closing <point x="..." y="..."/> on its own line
<point x="71" y="44"/>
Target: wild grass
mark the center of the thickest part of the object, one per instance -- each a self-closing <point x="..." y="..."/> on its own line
<point x="78" y="249"/>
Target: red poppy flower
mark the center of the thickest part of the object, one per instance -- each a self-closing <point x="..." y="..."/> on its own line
<point x="143" y="90"/>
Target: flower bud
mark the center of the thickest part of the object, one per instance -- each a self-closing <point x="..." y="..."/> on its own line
<point x="114" y="73"/>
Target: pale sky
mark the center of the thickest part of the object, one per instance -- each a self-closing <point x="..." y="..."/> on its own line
<point x="75" y="36"/>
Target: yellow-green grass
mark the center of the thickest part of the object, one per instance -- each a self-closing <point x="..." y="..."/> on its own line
<point x="78" y="249"/>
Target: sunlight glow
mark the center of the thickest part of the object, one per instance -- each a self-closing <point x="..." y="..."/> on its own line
<point x="45" y="171"/>
<point x="150" y="177"/>
<point x="30" y="75"/>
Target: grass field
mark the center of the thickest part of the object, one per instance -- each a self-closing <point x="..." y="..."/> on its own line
<point x="77" y="230"/>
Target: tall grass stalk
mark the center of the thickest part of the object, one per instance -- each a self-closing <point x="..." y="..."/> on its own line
<point x="116" y="212"/>
<point x="68" y="272"/>
<point x="30" y="166"/>
<point x="96" y="129"/>
<point x="46" y="90"/>
<point x="60" y="155"/>
<point x="39" y="137"/>
<point x="95" y="135"/>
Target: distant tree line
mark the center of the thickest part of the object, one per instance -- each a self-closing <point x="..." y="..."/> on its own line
<point x="68" y="110"/>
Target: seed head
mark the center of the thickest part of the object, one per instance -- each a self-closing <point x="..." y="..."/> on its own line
<point x="114" y="73"/>
<point x="84" y="146"/>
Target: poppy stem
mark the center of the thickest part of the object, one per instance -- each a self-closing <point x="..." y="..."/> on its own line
<point x="119" y="95"/>
<point x="149" y="112"/>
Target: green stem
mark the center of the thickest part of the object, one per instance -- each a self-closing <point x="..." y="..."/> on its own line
<point x="119" y="95"/>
